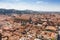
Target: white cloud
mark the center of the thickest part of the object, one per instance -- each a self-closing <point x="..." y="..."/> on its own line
<point x="23" y="6"/>
<point x="41" y="2"/>
<point x="38" y="2"/>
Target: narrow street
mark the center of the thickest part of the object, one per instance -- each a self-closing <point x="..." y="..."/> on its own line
<point x="0" y="36"/>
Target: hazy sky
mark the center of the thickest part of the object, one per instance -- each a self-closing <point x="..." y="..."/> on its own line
<point x="38" y="5"/>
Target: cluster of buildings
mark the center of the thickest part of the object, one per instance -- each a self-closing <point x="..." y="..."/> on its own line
<point x="29" y="26"/>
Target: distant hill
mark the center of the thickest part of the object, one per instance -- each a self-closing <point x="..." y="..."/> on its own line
<point x="10" y="11"/>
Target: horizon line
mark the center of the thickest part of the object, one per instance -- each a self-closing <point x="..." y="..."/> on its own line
<point x="28" y="10"/>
